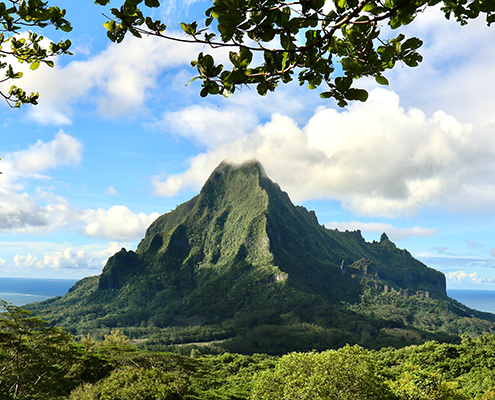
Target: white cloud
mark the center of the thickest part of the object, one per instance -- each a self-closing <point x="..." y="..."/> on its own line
<point x="392" y="232"/>
<point x="62" y="150"/>
<point x="457" y="71"/>
<point x="376" y="158"/>
<point x="462" y="277"/>
<point x="43" y="211"/>
<point x="173" y="9"/>
<point x="117" y="223"/>
<point x="25" y="261"/>
<point x="111" y="191"/>
<point x="210" y="125"/>
<point x="118" y="80"/>
<point x="104" y="254"/>
<point x="21" y="212"/>
<point x="218" y="120"/>
<point x="474" y="243"/>
<point x="77" y="261"/>
<point x="200" y="167"/>
<point x="66" y="259"/>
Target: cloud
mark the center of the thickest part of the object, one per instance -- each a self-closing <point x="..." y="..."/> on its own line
<point x="392" y="232"/>
<point x="453" y="262"/>
<point x="118" y="80"/>
<point x="21" y="212"/>
<point x="111" y="191"/>
<point x="462" y="277"/>
<point x="42" y="211"/>
<point x="173" y="9"/>
<point x="116" y="223"/>
<point x="375" y="158"/>
<point x="210" y="125"/>
<point x="474" y="243"/>
<point x="461" y="77"/>
<point x="440" y="249"/>
<point x="72" y="260"/>
<point x="218" y="120"/>
<point x="67" y="259"/>
<point x="63" y="150"/>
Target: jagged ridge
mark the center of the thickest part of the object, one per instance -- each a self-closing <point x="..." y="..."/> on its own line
<point x="241" y="248"/>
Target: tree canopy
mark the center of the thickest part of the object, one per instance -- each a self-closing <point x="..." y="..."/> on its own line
<point x="15" y="17"/>
<point x="325" y="42"/>
<point x="328" y="43"/>
<point x="41" y="362"/>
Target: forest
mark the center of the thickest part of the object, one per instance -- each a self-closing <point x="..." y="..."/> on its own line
<point x="38" y="361"/>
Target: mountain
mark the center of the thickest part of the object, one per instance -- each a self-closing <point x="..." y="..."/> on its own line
<point x="240" y="261"/>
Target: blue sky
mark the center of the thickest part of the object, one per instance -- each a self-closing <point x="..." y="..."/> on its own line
<point x="118" y="139"/>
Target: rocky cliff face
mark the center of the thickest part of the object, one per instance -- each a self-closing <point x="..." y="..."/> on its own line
<point x="239" y="247"/>
<point x="243" y="224"/>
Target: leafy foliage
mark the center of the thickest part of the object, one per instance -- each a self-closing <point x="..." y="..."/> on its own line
<point x="429" y="371"/>
<point x="345" y="374"/>
<point x="331" y="42"/>
<point x="30" y="47"/>
<point x="39" y="362"/>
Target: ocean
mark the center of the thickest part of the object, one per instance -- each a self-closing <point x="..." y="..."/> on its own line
<point x="482" y="300"/>
<point x="21" y="291"/>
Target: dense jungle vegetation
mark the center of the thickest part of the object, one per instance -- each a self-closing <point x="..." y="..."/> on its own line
<point x="42" y="362"/>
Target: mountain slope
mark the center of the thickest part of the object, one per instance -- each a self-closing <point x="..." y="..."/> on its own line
<point x="241" y="257"/>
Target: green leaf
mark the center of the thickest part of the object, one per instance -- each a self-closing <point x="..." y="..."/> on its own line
<point x="369" y="7"/>
<point x="381" y="80"/>
<point x="192" y="80"/>
<point x="262" y="88"/>
<point x="284" y="60"/>
<point x="110" y="25"/>
<point x="245" y="56"/>
<point x="356" y="94"/>
<point x="412" y="43"/>
<point x="413" y="60"/>
<point x="189" y="29"/>
<point x="208" y="63"/>
<point x="312" y="86"/>
<point x="152" y="3"/>
<point x="34" y="65"/>
<point x="343" y="83"/>
<point x="65" y="27"/>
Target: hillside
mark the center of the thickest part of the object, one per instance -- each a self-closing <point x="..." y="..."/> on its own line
<point x="240" y="261"/>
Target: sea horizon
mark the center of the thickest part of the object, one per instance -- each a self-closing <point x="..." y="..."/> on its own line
<point x="22" y="291"/>
<point x="478" y="299"/>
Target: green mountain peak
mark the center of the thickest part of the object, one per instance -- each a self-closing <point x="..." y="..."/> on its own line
<point x="241" y="255"/>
